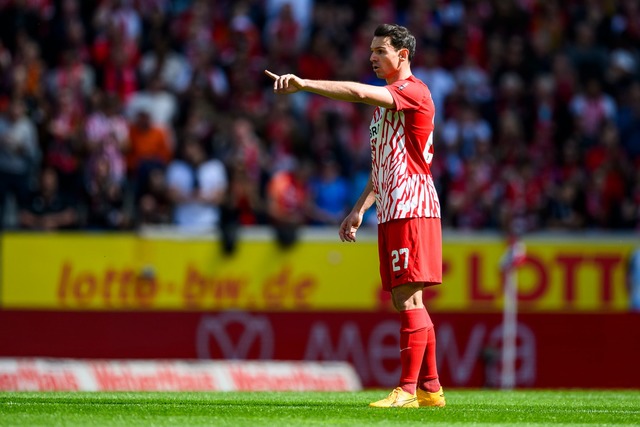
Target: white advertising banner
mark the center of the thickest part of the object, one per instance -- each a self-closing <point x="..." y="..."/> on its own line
<point x="160" y="375"/>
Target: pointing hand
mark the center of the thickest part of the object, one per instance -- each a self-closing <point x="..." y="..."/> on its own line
<point x="286" y="83"/>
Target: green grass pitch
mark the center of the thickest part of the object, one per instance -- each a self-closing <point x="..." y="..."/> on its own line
<point x="464" y="407"/>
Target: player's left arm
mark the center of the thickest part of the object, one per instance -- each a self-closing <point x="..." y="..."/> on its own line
<point x="338" y="90"/>
<point x="353" y="220"/>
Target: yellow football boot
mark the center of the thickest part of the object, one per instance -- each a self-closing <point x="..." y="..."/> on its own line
<point x="398" y="398"/>
<point x="430" y="399"/>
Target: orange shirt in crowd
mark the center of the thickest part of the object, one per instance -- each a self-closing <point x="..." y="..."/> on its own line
<point x="151" y="143"/>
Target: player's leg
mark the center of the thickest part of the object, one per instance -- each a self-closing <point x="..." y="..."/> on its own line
<point x="398" y="397"/>
<point x="396" y="247"/>
<point x="429" y="389"/>
<point x="428" y="379"/>
<point x="414" y="324"/>
<point x="407" y="299"/>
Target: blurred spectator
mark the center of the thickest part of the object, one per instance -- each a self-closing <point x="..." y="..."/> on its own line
<point x="5" y="65"/>
<point x="630" y="209"/>
<point x="628" y="121"/>
<point x="473" y="82"/>
<point x="608" y="167"/>
<point x="523" y="202"/>
<point x="284" y="36"/>
<point x="281" y="135"/>
<point x="586" y="53"/>
<point x="329" y="133"/>
<point x="207" y="76"/>
<point x="621" y="72"/>
<point x="565" y="77"/>
<point x="149" y="147"/>
<point x="247" y="150"/>
<point x="72" y="76"/>
<point x="170" y="66"/>
<point x="565" y="208"/>
<point x="18" y="19"/>
<point x="570" y="166"/>
<point x="119" y="14"/>
<point x="548" y="22"/>
<point x="319" y="61"/>
<point x="160" y="103"/>
<point x="105" y="199"/>
<point x="19" y="155"/>
<point x="607" y="152"/>
<point x="511" y="142"/>
<point x="28" y="75"/>
<point x="246" y="162"/>
<point x="550" y="118"/>
<point x="508" y="18"/>
<point x="154" y="204"/>
<point x="591" y="108"/>
<point x="119" y="75"/>
<point x="511" y="97"/>
<point x="288" y="201"/>
<point x="465" y="130"/>
<point x="107" y="135"/>
<point x="625" y="24"/>
<point x="197" y="185"/>
<point x="471" y="200"/>
<point x="63" y="145"/>
<point x="242" y="203"/>
<point x="47" y="208"/>
<point x="248" y="96"/>
<point x="515" y="61"/>
<point x="426" y="20"/>
<point x="329" y="194"/>
<point x="68" y="31"/>
<point x="288" y="16"/>
<point x="202" y="121"/>
<point x="116" y="57"/>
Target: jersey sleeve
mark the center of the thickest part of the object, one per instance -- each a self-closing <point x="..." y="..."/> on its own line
<point x="407" y="95"/>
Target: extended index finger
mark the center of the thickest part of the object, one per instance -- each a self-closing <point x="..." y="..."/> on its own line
<point x="270" y="74"/>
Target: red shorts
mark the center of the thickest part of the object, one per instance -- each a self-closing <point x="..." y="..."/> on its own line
<point x="410" y="251"/>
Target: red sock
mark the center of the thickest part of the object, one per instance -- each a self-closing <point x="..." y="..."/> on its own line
<point x="413" y="340"/>
<point x="428" y="378"/>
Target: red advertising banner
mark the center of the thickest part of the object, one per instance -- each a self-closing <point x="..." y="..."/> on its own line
<point x="553" y="350"/>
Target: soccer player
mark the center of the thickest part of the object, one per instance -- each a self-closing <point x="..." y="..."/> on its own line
<point x="408" y="209"/>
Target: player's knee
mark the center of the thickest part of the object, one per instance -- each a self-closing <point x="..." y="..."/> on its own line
<point x="407" y="296"/>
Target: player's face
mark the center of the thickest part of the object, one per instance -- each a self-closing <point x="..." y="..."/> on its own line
<point x="384" y="58"/>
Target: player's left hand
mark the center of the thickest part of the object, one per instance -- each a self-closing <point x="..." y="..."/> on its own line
<point x="286" y="83"/>
<point x="350" y="226"/>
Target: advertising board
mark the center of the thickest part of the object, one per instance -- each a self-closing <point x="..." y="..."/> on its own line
<point x="553" y="350"/>
<point x="129" y="272"/>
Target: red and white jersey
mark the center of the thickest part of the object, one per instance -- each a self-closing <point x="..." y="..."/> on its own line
<point x="401" y="154"/>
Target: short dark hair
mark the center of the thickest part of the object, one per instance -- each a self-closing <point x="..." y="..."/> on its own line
<point x="399" y="37"/>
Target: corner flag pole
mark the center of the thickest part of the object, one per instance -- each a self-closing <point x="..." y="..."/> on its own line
<point x="513" y="257"/>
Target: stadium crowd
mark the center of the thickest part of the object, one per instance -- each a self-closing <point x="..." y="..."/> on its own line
<point x="115" y="114"/>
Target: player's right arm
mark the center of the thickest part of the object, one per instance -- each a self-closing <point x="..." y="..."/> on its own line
<point x="352" y="222"/>
<point x="341" y="91"/>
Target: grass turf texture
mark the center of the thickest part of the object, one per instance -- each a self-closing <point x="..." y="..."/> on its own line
<point x="464" y="407"/>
